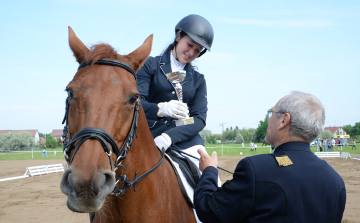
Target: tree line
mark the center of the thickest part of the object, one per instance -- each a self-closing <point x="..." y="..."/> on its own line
<point x="23" y="140"/>
<point x="258" y="135"/>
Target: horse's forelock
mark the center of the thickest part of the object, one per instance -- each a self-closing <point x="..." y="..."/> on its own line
<point x="100" y="51"/>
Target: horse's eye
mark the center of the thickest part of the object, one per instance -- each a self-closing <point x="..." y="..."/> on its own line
<point x="133" y="99"/>
<point x="70" y="94"/>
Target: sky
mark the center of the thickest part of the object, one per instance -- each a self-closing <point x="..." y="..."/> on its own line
<point x="262" y="50"/>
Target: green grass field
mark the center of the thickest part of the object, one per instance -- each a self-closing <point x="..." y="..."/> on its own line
<point x="229" y="149"/>
<point x="36" y="155"/>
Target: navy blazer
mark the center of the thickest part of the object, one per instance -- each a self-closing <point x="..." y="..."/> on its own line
<point x="310" y="190"/>
<point x="155" y="88"/>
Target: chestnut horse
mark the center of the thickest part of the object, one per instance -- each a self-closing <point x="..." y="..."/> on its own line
<point x="103" y="114"/>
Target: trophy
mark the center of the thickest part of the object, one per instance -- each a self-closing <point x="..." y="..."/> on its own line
<point x="177" y="77"/>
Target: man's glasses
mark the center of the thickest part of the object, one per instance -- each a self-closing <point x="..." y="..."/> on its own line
<point x="269" y="113"/>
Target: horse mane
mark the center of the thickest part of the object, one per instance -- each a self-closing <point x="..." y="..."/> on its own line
<point x="102" y="50"/>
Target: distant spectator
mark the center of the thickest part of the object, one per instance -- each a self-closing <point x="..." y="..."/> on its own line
<point x="333" y="144"/>
<point x="341" y="141"/>
<point x="320" y="144"/>
<point x="353" y="145"/>
<point x="329" y="145"/>
<point x="251" y="146"/>
<point x="255" y="146"/>
<point x="54" y="152"/>
<point x="44" y="151"/>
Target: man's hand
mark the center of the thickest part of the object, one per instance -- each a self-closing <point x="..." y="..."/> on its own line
<point x="206" y="160"/>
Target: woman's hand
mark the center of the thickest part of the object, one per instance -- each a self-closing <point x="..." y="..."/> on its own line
<point x="163" y="141"/>
<point x="175" y="109"/>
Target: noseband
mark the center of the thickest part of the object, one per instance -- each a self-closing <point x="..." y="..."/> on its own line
<point x="104" y="138"/>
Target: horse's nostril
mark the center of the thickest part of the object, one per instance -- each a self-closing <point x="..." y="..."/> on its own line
<point x="109" y="178"/>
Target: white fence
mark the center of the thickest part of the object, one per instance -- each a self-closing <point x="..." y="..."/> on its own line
<point x="38" y="170"/>
<point x="327" y="154"/>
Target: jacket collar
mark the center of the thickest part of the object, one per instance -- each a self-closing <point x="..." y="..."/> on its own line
<point x="165" y="67"/>
<point x="290" y="146"/>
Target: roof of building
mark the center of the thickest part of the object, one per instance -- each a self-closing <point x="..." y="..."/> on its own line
<point x="32" y="131"/>
<point x="57" y="132"/>
<point x="42" y="140"/>
<point x="332" y="129"/>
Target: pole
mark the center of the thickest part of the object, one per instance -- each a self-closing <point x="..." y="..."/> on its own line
<point x="32" y="152"/>
<point x="222" y="135"/>
<point x="222" y="149"/>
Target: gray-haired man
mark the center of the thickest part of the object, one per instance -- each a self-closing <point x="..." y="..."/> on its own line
<point x="290" y="185"/>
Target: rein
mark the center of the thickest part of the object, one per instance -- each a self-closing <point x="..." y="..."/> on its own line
<point x="180" y="151"/>
<point x="105" y="139"/>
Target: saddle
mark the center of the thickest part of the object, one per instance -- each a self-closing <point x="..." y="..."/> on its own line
<point x="188" y="168"/>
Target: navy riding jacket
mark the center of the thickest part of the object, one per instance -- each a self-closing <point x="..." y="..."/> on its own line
<point x="155" y="88"/>
<point x="308" y="191"/>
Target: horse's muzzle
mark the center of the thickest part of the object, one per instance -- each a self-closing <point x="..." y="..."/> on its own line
<point x="87" y="194"/>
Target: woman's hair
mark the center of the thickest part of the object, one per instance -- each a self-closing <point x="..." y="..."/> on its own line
<point x="307" y="114"/>
<point x="171" y="47"/>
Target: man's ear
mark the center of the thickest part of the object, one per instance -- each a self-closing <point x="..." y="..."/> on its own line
<point x="284" y="121"/>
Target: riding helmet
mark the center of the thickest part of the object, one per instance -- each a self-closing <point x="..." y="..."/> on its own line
<point x="198" y="28"/>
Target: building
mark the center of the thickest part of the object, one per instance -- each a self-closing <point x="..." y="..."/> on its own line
<point x="336" y="130"/>
<point x="42" y="140"/>
<point x="57" y="134"/>
<point x="34" y="133"/>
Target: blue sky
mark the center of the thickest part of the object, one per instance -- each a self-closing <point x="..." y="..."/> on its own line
<point x="262" y="50"/>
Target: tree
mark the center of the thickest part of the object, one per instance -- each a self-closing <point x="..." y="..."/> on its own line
<point x="326" y="134"/>
<point x="50" y="141"/>
<point x="229" y="134"/>
<point x="205" y="133"/>
<point x="16" y="141"/>
<point x="247" y="134"/>
<point x="211" y="139"/>
<point x="348" y="129"/>
<point x="261" y="130"/>
<point x="239" y="138"/>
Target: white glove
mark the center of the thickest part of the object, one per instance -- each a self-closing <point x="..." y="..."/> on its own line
<point x="174" y="109"/>
<point x="163" y="141"/>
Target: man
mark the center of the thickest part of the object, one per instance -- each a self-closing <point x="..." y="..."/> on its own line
<point x="354" y="145"/>
<point x="333" y="144"/>
<point x="341" y="142"/>
<point x="290" y="185"/>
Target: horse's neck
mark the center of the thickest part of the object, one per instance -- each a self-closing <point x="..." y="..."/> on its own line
<point x="156" y="194"/>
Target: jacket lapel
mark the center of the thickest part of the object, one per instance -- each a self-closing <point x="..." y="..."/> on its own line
<point x="165" y="65"/>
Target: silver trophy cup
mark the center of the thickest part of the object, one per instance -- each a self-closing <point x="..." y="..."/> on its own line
<point x="177" y="77"/>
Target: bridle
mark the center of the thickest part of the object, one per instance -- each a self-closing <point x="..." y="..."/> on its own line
<point x="104" y="138"/>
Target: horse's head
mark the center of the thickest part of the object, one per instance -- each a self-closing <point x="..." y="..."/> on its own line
<point x="101" y="97"/>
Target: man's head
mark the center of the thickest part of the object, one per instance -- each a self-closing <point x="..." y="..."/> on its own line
<point x="296" y="117"/>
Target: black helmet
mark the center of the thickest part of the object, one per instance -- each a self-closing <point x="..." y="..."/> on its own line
<point x="198" y="28"/>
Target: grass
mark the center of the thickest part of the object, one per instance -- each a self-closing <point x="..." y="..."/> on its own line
<point x="228" y="149"/>
<point x="233" y="149"/>
<point x="36" y="155"/>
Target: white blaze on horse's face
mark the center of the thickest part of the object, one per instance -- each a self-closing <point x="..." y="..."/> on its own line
<point x="100" y="96"/>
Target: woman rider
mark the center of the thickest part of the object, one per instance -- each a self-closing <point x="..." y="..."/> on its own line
<point x="193" y="37"/>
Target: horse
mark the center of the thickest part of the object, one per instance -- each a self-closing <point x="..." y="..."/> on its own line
<point x="103" y="113"/>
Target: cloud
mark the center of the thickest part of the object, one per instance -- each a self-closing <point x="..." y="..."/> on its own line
<point x="308" y="23"/>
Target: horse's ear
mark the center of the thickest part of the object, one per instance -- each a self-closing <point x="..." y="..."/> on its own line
<point x="139" y="56"/>
<point x="79" y="49"/>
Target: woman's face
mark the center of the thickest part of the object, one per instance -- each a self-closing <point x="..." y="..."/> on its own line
<point x="187" y="49"/>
